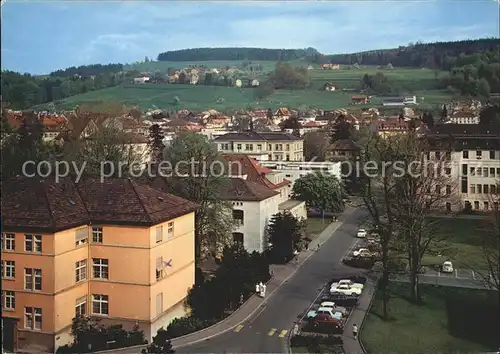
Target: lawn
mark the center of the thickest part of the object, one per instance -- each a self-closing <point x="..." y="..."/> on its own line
<point x="200" y="97"/>
<point x="461" y="243"/>
<point x="314" y="226"/>
<point x="451" y="320"/>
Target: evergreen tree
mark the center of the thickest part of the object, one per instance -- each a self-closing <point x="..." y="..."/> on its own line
<point x="156" y="143"/>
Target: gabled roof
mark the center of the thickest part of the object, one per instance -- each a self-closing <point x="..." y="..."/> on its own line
<point x="345" y="145"/>
<point x="254" y="136"/>
<point x="45" y="205"/>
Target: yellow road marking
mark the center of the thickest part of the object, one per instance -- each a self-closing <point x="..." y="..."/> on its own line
<point x="272" y="331"/>
<point x="239" y="328"/>
<point x="283" y="333"/>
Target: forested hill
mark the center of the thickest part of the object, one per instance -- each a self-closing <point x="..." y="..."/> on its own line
<point x="205" y="54"/>
<point x="439" y="55"/>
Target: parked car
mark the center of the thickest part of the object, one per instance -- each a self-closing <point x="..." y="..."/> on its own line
<point x="342" y="299"/>
<point x="325" y="310"/>
<point x="447" y="267"/>
<point x="346" y="289"/>
<point x="361" y="233"/>
<point x="362" y="252"/>
<point x="326" y="320"/>
<point x="334" y="306"/>
<point x="347" y="282"/>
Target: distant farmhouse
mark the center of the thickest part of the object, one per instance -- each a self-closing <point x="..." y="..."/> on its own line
<point x="399" y="101"/>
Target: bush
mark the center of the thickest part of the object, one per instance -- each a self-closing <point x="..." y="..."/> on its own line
<point x="186" y="325"/>
<point x="363" y="263"/>
<point x="161" y="343"/>
<point x="314" y="340"/>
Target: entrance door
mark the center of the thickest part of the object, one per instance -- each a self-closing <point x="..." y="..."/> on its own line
<point x="9" y="334"/>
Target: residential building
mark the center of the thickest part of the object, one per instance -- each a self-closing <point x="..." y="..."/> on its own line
<point x="399" y="101"/>
<point x="345" y="147"/>
<point x="293" y="170"/>
<point x="277" y="146"/>
<point x="360" y="99"/>
<point x="474" y="161"/>
<point x="116" y="250"/>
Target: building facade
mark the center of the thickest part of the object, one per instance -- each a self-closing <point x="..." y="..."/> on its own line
<point x="278" y="146"/>
<point x="115" y="250"/>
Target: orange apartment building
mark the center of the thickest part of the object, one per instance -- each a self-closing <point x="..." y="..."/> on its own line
<point x="116" y="250"/>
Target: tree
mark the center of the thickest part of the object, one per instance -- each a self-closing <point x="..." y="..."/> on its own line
<point x="285" y="234"/>
<point x="484" y="88"/>
<point x="342" y="129"/>
<point x="428" y="119"/>
<point x="156" y="142"/>
<point x="444" y="113"/>
<point x="269" y="113"/>
<point x="321" y="191"/>
<point x="285" y="76"/>
<point x="199" y="177"/>
<point x="316" y="146"/>
<point x="264" y="90"/>
<point x="490" y="116"/>
<point x="161" y="343"/>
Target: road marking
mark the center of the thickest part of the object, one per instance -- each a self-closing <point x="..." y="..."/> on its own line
<point x="456" y="273"/>
<point x="283" y="333"/>
<point x="272" y="331"/>
<point x="239" y="328"/>
<point x="473" y="275"/>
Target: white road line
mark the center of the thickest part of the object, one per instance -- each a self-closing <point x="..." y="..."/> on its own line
<point x="473" y="275"/>
<point x="456" y="273"/>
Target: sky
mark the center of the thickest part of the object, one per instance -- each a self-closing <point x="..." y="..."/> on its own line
<point x="42" y="36"/>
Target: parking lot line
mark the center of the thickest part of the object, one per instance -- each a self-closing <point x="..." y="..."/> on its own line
<point x="239" y="328"/>
<point x="272" y="331"/>
<point x="473" y="275"/>
<point x="283" y="333"/>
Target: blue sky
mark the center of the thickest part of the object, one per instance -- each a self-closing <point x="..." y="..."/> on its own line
<point x="39" y="37"/>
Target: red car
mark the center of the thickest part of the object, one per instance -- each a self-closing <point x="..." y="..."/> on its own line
<point x="327" y="320"/>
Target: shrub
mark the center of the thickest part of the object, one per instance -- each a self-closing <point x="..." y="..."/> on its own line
<point x="363" y="263"/>
<point x="161" y="343"/>
<point x="314" y="340"/>
<point x="186" y="325"/>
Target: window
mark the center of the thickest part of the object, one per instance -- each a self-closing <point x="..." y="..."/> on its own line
<point x="472" y="171"/>
<point x="287" y="157"/>
<point x="33" y="318"/>
<point x="33" y="243"/>
<point x="100" y="305"/>
<point x="170" y="229"/>
<point x="238" y="146"/>
<point x="476" y="205"/>
<point x="448" y="189"/>
<point x="486" y="188"/>
<point x="447" y="171"/>
<point x="81" y="270"/>
<point x="486" y="206"/>
<point x="81" y="306"/>
<point x="447" y="156"/>
<point x="473" y="189"/>
<point x="8" y="269"/>
<point x="287" y="147"/>
<point x="448" y="206"/>
<point x="438" y="155"/>
<point x="238" y="238"/>
<point x="479" y="171"/>
<point x="464" y="185"/>
<point x="479" y="189"/>
<point x="464" y="169"/>
<point x="159" y="304"/>
<point x="479" y="153"/>
<point x="498" y="171"/>
<point x="8" y="300"/>
<point x="492" y="154"/>
<point x="465" y="154"/>
<point x="238" y="217"/>
<point x="259" y="147"/>
<point x="428" y="156"/>
<point x="438" y="189"/>
<point x="81" y="237"/>
<point x="97" y="234"/>
<point x="492" y="172"/>
<point x="8" y="242"/>
<point x="159" y="234"/>
<point x="269" y="147"/>
<point x="159" y="268"/>
<point x="485" y="171"/>
<point x="32" y="279"/>
<point x="100" y="268"/>
<point x="269" y="157"/>
<point x="249" y="147"/>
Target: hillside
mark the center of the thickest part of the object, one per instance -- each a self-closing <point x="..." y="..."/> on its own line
<point x="221" y="54"/>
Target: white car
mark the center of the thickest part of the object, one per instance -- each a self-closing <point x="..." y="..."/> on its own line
<point x="327" y="311"/>
<point x="345" y="289"/>
<point x="346" y="282"/>
<point x="361" y="233"/>
<point x="331" y="304"/>
<point x="362" y="252"/>
<point x="447" y="267"/>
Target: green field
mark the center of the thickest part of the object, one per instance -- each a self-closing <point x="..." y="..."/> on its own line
<point x="199" y="97"/>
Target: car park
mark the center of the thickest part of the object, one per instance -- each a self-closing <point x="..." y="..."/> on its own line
<point x="447" y="267"/>
<point x="346" y="289"/>
<point x="361" y="233"/>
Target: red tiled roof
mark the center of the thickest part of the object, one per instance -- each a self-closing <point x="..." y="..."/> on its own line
<point x="46" y="205"/>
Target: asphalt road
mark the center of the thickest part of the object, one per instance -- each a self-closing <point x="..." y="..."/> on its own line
<point x="267" y="330"/>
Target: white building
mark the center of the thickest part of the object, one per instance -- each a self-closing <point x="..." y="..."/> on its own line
<point x="475" y="163"/>
<point x="294" y="170"/>
<point x="141" y="80"/>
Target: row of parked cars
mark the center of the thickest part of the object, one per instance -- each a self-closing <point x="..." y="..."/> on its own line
<point x="329" y="314"/>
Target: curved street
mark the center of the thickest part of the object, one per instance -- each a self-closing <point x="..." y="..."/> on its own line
<point x="267" y="330"/>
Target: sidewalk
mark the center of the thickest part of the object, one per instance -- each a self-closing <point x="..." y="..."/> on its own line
<point x="351" y="345"/>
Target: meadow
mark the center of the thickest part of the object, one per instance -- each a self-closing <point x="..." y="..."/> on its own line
<point x="420" y="82"/>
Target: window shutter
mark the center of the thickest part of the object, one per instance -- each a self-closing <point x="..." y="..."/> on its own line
<point x="159" y="232"/>
<point x="81" y="234"/>
<point x="159" y="263"/>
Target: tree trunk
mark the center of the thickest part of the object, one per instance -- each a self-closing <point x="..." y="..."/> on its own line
<point x="414" y="272"/>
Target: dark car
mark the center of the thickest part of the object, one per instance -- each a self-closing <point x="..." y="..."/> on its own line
<point x="341" y="299"/>
<point x="328" y="324"/>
